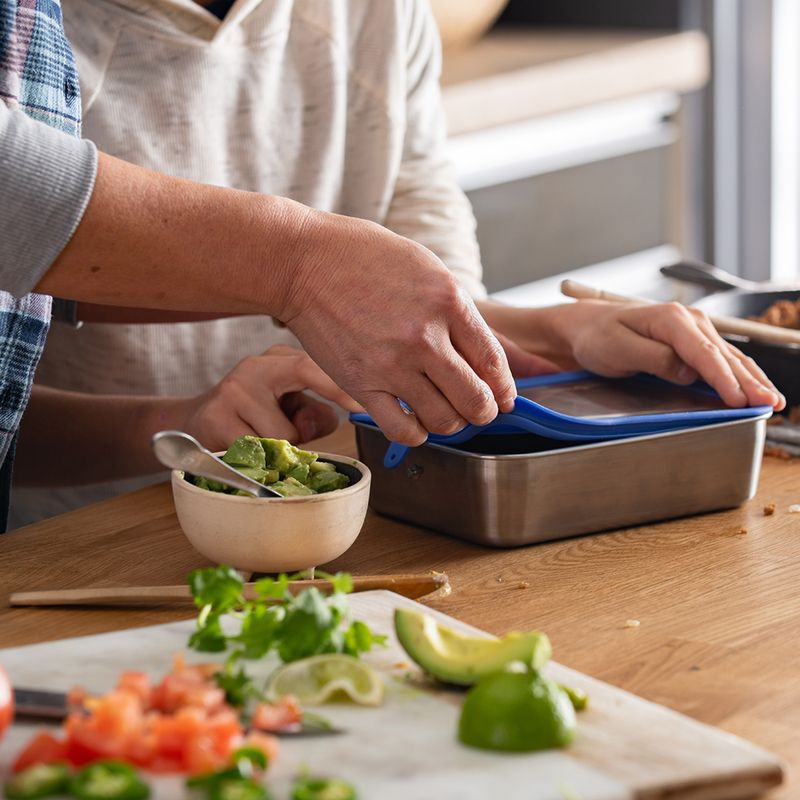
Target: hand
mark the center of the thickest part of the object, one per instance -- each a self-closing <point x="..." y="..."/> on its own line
<point x="669" y="340"/>
<point x="263" y="396"/>
<point x="522" y="363"/>
<point x="386" y="320"/>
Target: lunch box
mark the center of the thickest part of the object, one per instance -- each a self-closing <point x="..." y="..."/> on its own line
<point x="507" y="488"/>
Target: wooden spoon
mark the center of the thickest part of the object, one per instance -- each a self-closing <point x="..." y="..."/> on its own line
<point x="413" y="586"/>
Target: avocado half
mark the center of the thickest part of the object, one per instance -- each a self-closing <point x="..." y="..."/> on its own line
<point x="455" y="658"/>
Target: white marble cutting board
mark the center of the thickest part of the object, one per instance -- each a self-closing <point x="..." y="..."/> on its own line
<point x="407" y="749"/>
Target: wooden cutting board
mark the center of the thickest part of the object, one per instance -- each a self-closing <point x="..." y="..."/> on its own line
<point x="626" y="747"/>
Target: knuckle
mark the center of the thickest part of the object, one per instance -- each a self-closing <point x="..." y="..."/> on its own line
<point x="677" y="311"/>
<point x="444" y="422"/>
<point x="709" y="348"/>
<point x="477" y="403"/>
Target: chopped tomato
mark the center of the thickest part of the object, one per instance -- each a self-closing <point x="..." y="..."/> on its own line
<point x="278" y="716"/>
<point x="6" y="702"/>
<point x="182" y="724"/>
<point x="43" y="748"/>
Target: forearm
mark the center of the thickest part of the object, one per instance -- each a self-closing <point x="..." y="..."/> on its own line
<point x="154" y="241"/>
<point x="69" y="438"/>
<point x="542" y="331"/>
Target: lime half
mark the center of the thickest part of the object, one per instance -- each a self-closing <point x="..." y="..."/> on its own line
<point x="516" y="710"/>
<point x="331" y="676"/>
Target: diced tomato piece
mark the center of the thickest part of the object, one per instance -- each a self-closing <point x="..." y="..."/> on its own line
<point x="202" y="756"/>
<point x="225" y="731"/>
<point x="172" y="731"/>
<point x="267" y="744"/>
<point x="77" y="697"/>
<point x="136" y="683"/>
<point x="189" y="688"/>
<point x="278" y="716"/>
<point x="43" y="748"/>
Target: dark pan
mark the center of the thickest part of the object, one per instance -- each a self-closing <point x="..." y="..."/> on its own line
<point x="735" y="297"/>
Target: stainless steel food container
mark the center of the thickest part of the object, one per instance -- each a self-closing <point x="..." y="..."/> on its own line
<point x="512" y="490"/>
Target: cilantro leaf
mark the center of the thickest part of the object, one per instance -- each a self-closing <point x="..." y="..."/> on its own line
<point x="274" y="619"/>
<point x="220" y="587"/>
<point x="208" y="638"/>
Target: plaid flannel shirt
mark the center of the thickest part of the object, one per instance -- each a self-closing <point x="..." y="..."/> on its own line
<point x="38" y="76"/>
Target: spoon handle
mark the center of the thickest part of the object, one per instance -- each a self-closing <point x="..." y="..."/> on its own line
<point x="179" y="450"/>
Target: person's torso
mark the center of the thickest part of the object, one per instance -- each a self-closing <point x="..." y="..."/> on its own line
<point x="299" y="98"/>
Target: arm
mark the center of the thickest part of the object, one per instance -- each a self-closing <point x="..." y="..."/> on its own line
<point x="152" y="241"/>
<point x="108" y="437"/>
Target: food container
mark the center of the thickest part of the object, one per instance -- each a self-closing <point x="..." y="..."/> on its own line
<point x="509" y="490"/>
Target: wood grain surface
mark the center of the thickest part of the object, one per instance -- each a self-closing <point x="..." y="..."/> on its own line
<point x="716" y="596"/>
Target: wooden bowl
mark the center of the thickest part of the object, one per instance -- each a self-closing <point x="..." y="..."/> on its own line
<point x="264" y="534"/>
<point x="461" y="23"/>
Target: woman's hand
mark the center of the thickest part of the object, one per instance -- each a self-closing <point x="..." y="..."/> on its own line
<point x="264" y="396"/>
<point x="669" y="340"/>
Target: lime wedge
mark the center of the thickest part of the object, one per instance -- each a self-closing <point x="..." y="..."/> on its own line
<point x="516" y="710"/>
<point x="331" y="676"/>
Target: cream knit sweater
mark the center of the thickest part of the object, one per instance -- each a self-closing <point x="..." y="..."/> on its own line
<point x="334" y="103"/>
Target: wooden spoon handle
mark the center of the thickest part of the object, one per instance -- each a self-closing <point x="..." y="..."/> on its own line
<point x="757" y="331"/>
<point x="413" y="586"/>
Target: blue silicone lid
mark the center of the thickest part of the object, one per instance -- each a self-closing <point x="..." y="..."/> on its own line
<point x="581" y="406"/>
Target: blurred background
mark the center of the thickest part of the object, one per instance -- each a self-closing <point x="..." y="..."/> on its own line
<point x="603" y="140"/>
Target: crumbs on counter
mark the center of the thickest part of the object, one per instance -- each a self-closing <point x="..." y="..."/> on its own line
<point x="795" y="509"/>
<point x="632" y="623"/>
<point x="769" y="509"/>
<point x="499" y="578"/>
<point x="741" y="531"/>
<point x="775" y="451"/>
<point x="524" y="585"/>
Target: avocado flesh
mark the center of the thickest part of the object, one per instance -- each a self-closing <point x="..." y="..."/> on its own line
<point x="455" y="658"/>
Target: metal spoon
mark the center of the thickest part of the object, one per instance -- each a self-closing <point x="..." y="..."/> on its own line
<point x="179" y="450"/>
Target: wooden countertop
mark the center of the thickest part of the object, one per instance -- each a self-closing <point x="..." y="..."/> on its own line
<point x="719" y="609"/>
<point x="510" y="76"/>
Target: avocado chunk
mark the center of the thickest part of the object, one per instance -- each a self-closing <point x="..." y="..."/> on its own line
<point x="304" y="456"/>
<point x="327" y="481"/>
<point x="321" y="466"/>
<point x="246" y="451"/>
<point x="291" y="488"/>
<point x="280" y="455"/>
<point x="208" y="484"/>
<point x="454" y="658"/>
<point x="299" y="473"/>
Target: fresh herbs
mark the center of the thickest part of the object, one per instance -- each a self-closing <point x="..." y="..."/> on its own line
<point x="272" y="619"/>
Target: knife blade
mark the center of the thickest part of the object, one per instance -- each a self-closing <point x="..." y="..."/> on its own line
<point x="37" y="704"/>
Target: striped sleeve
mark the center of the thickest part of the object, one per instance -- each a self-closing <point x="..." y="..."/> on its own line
<point x="46" y="179"/>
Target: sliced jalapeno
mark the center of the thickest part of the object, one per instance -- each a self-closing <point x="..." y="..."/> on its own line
<point x="40" y="780"/>
<point x="109" y="780"/>
<point x="322" y="789"/>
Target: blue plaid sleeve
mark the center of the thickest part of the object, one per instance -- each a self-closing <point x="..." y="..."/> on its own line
<point x="37" y="79"/>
